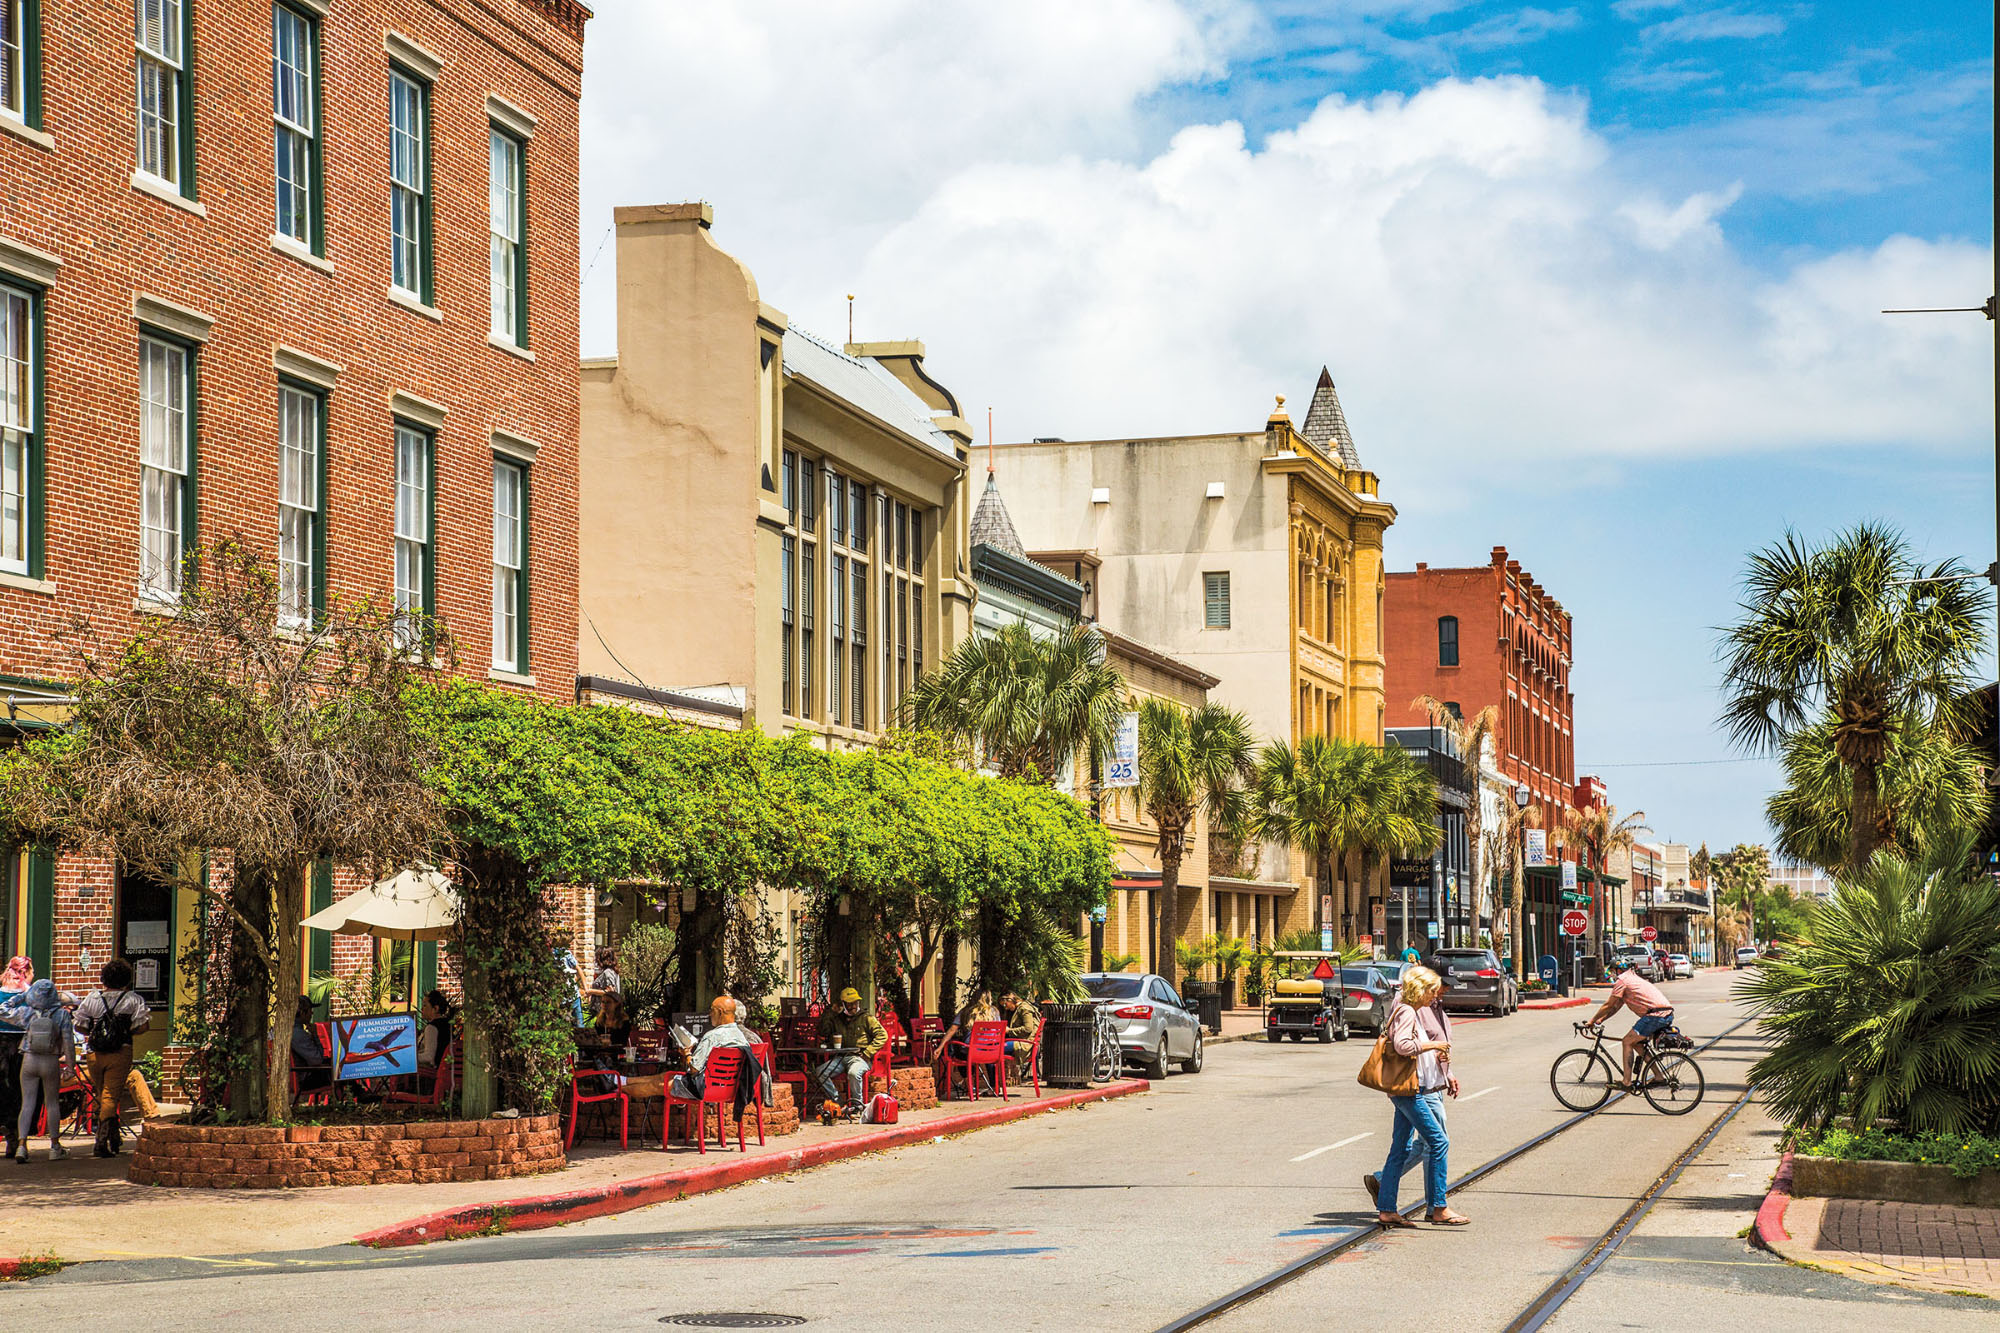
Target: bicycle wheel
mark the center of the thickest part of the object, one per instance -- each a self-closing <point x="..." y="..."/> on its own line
<point x="1581" y="1079"/>
<point x="1103" y="1061"/>
<point x="1674" y="1084"/>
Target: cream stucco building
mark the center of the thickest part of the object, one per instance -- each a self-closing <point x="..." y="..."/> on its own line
<point x="1254" y="557"/>
<point x="772" y="526"/>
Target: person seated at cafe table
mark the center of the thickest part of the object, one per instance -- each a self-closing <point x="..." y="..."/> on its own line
<point x="436" y="1037"/>
<point x="855" y="1035"/>
<point x="979" y="1009"/>
<point x="612" y="1023"/>
<point x="725" y="1018"/>
<point x="309" y="1062"/>
<point x="1023" y="1019"/>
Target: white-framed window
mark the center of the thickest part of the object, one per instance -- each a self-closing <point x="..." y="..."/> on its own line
<point x="14" y="54"/>
<point x="295" y="123"/>
<point x="413" y="531"/>
<point x="1215" y="599"/>
<point x="160" y="30"/>
<point x="510" y="565"/>
<point x="298" y="505"/>
<point x="409" y="184"/>
<point x="506" y="227"/>
<point x="17" y="427"/>
<point x="164" y="455"/>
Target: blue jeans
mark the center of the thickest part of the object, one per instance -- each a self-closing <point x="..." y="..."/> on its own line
<point x="1417" y="1118"/>
<point x="851" y="1069"/>
<point x="1652" y="1024"/>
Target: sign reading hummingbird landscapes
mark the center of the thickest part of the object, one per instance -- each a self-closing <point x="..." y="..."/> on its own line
<point x="374" y="1046"/>
<point x="1122" y="769"/>
<point x="1535" y="850"/>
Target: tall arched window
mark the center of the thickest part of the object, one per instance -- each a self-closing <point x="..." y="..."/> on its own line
<point x="1447" y="640"/>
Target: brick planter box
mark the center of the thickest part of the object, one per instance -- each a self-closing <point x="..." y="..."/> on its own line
<point x="310" y="1156"/>
<point x="780" y="1117"/>
<point x="914" y="1088"/>
<point x="1903" y="1182"/>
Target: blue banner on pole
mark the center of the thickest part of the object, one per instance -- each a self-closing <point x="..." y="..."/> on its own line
<point x="374" y="1046"/>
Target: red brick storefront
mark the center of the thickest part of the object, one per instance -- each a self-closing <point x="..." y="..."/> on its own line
<point x="139" y="285"/>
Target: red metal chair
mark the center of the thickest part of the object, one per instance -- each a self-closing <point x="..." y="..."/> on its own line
<point x="83" y="1120"/>
<point x="718" y="1089"/>
<point x="578" y="1099"/>
<point x="928" y="1031"/>
<point x="899" y="1037"/>
<point x="985" y="1047"/>
<point x="444" y="1080"/>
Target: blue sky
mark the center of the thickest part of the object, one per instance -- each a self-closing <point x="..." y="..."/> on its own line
<point x="1597" y="282"/>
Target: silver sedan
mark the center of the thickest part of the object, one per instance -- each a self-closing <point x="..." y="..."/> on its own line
<point x="1156" y="1029"/>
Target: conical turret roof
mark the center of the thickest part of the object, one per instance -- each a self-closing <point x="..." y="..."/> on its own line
<point x="1326" y="425"/>
<point x="993" y="526"/>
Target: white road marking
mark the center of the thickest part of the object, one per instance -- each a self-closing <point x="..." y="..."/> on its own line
<point x="1331" y="1146"/>
<point x="1481" y="1093"/>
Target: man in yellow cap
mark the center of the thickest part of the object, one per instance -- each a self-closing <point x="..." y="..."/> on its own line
<point x="853" y="1036"/>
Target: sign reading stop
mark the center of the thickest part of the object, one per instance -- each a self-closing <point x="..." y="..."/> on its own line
<point x="1648" y="934"/>
<point x="1575" y="922"/>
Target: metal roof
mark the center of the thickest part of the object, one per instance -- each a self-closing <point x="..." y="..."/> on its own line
<point x="866" y="384"/>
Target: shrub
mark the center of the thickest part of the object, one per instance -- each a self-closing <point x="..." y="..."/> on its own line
<point x="1966" y="1154"/>
<point x="1887" y="1011"/>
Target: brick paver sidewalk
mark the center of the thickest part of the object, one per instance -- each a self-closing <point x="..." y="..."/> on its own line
<point x="1934" y="1247"/>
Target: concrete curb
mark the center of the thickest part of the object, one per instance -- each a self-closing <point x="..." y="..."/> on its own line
<point x="1769" y="1228"/>
<point x="1572" y="1002"/>
<point x="549" y="1210"/>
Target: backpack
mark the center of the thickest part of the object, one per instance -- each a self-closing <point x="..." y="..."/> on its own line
<point x="113" y="1032"/>
<point x="44" y="1034"/>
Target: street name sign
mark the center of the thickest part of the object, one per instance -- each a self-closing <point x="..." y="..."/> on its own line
<point x="1575" y="923"/>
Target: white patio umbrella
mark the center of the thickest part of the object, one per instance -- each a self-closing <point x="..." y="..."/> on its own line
<point x="417" y="904"/>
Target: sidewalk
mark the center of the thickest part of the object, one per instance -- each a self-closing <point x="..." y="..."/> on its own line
<point x="84" y="1208"/>
<point x="1928" y="1247"/>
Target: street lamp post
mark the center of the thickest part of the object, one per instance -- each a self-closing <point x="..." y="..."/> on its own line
<point x="1519" y="928"/>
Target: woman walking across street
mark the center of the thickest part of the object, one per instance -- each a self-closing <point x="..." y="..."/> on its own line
<point x="14" y="983"/>
<point x="48" y="1050"/>
<point x="1418" y="1029"/>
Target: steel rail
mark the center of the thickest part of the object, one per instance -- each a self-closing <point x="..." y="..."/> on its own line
<point x="1306" y="1263"/>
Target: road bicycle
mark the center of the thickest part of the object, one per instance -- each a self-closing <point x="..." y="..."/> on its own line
<point x="1583" y="1079"/>
<point x="1107" y="1059"/>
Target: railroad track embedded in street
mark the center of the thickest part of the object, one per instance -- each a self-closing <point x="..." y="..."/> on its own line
<point x="1552" y="1298"/>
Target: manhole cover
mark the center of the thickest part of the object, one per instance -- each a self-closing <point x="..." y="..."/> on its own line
<point x="722" y="1320"/>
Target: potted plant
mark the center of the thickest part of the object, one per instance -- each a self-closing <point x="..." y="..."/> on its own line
<point x="1229" y="954"/>
<point x="1191" y="956"/>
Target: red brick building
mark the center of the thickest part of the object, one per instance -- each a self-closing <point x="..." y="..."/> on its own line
<point x="302" y="272"/>
<point x="1491" y="635"/>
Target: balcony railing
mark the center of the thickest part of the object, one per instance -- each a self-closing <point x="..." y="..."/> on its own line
<point x="1447" y="770"/>
<point x="1671" y="900"/>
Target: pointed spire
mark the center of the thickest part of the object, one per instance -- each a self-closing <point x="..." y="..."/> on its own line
<point x="1326" y="425"/>
<point x="991" y="524"/>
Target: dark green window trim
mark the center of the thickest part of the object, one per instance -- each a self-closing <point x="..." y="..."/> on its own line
<point x="315" y="149"/>
<point x="31" y="63"/>
<point x="319" y="943"/>
<point x="429" y="437"/>
<point x="41" y="923"/>
<point x="190" y="506"/>
<point x="319" y="396"/>
<point x="37" y="426"/>
<point x="426" y="238"/>
<point x="527" y="663"/>
<point x="427" y="969"/>
<point x="521" y="222"/>
<point x="190" y="185"/>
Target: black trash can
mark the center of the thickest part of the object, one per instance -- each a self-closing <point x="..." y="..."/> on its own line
<point x="1068" y="1031"/>
<point x="1208" y="1009"/>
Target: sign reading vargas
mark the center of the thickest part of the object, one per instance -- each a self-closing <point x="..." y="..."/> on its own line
<point x="377" y="1046"/>
<point x="1122" y="769"/>
<point x="1575" y="923"/>
<point x="1535" y="851"/>
<point x="1649" y="934"/>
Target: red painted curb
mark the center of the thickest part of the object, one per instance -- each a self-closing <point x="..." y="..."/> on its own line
<point x="1571" y="1003"/>
<point x="549" y="1210"/>
<point x="10" y="1267"/>
<point x="1770" y="1226"/>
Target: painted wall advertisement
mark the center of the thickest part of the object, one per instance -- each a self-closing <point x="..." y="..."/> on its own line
<point x="374" y="1046"/>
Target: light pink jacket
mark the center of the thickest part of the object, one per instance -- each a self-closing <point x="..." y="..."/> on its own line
<point x="1410" y="1028"/>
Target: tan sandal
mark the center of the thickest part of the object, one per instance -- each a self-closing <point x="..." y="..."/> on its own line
<point x="1389" y="1221"/>
<point x="1448" y="1219"/>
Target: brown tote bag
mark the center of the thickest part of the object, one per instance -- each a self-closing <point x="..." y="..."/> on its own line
<point x="1388" y="1070"/>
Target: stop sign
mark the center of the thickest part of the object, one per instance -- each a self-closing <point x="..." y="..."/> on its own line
<point x="1575" y="922"/>
<point x="1648" y="934"/>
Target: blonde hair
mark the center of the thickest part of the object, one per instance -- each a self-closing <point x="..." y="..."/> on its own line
<point x="1420" y="985"/>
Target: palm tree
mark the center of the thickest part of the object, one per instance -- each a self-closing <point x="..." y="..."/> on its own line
<point x="1470" y="735"/>
<point x="1601" y="832"/>
<point x="1859" y="633"/>
<point x="1932" y="786"/>
<point x="1402" y="820"/>
<point x="1025" y="703"/>
<point x="1314" y="797"/>
<point x="1191" y="763"/>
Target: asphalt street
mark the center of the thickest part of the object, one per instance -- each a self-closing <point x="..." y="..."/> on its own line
<point x="1123" y="1215"/>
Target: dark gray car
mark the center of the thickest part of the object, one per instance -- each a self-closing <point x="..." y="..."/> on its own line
<point x="1474" y="979"/>
<point x="1370" y="988"/>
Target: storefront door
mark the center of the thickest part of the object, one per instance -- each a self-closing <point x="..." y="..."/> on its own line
<point x="145" y="939"/>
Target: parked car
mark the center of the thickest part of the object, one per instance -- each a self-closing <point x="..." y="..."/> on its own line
<point x="1371" y="990"/>
<point x="1643" y="961"/>
<point x="1683" y="966"/>
<point x="1474" y="979"/>
<point x="1665" y="962"/>
<point x="1746" y="956"/>
<point x="1157" y="1029"/>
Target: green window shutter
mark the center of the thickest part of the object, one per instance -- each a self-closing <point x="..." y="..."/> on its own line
<point x="38" y="354"/>
<point x="521" y="255"/>
<point x="189" y="187"/>
<point x="428" y="261"/>
<point x="427" y="968"/>
<point x="430" y="527"/>
<point x="525" y="664"/>
<point x="41" y="922"/>
<point x="319" y="943"/>
<point x="31" y="64"/>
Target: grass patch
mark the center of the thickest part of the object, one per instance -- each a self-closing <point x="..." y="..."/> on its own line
<point x="37" y="1265"/>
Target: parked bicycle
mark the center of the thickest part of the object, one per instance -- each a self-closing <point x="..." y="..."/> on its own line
<point x="1107" y="1060"/>
<point x="1584" y="1078"/>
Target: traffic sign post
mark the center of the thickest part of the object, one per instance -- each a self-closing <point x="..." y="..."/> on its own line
<point x="1649" y="934"/>
<point x="1574" y="924"/>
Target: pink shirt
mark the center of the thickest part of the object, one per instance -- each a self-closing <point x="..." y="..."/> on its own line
<point x="1640" y="996"/>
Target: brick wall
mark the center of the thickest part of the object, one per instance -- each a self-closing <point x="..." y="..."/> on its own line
<point x="307" y="1156"/>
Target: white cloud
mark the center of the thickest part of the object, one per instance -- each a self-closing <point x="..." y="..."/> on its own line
<point x="1714" y="25"/>
<point x="1485" y="273"/>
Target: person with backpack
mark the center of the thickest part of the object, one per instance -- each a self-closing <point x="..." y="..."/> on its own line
<point x="48" y="1043"/>
<point x="109" y="1020"/>
<point x="14" y="982"/>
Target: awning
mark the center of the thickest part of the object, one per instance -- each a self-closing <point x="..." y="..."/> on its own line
<point x="416" y="905"/>
<point x="1141" y="882"/>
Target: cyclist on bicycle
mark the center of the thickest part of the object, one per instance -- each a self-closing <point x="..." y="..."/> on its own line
<point x="1648" y="1006"/>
